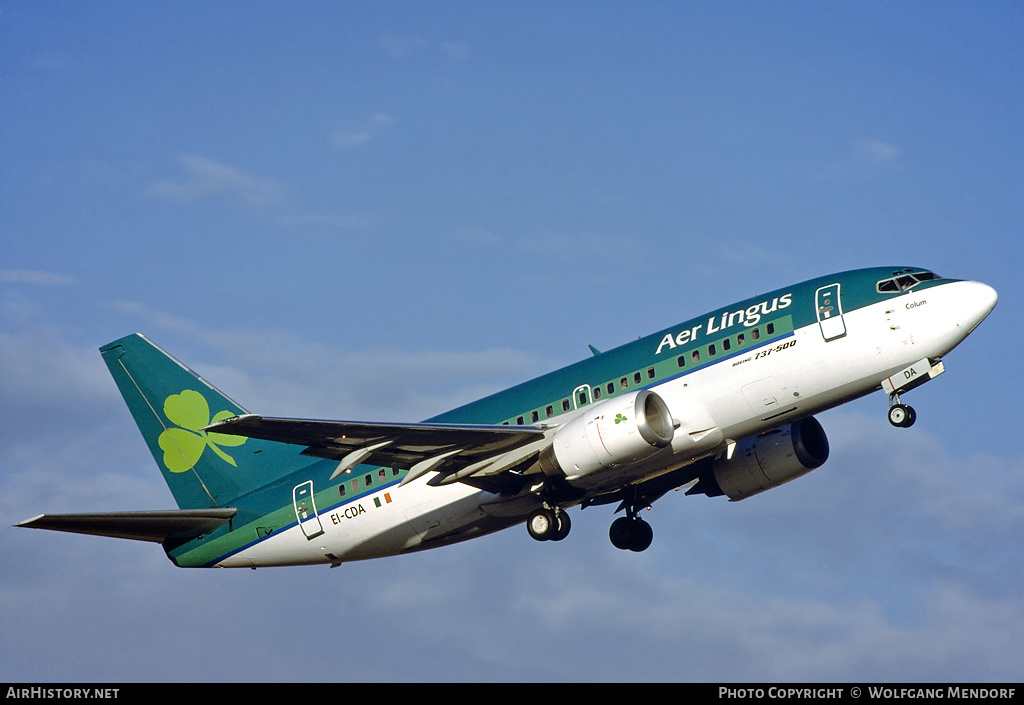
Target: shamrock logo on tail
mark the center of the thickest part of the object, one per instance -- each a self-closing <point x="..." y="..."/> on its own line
<point x="184" y="446"/>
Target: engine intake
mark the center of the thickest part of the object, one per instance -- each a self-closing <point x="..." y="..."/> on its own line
<point x="614" y="433"/>
<point x="767" y="461"/>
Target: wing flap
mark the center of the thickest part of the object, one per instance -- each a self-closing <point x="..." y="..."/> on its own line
<point x="156" y="526"/>
<point x="426" y="447"/>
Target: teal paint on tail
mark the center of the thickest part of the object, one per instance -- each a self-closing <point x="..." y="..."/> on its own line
<point x="171" y="404"/>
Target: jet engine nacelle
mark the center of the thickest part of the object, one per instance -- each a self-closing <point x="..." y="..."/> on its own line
<point x="766" y="461"/>
<point x="613" y="433"/>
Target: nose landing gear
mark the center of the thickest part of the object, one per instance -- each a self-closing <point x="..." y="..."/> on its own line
<point x="900" y="414"/>
<point x="906" y="379"/>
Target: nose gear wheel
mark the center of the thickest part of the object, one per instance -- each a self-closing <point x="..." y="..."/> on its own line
<point x="901" y="415"/>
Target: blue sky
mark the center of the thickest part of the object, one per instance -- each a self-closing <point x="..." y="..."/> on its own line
<point x="381" y="211"/>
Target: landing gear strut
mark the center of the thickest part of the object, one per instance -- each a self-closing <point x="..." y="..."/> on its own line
<point x="900" y="414"/>
<point x="548" y="524"/>
<point x="906" y="379"/>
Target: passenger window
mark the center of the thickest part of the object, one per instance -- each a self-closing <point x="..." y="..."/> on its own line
<point x="611" y="387"/>
<point x="740" y="339"/>
<point x="597" y="393"/>
<point x="636" y="378"/>
<point x="381" y="475"/>
<point x="520" y="421"/>
<point x="565" y="405"/>
<point x="711" y="350"/>
<point x="534" y="416"/>
<point x="755" y="334"/>
<point x="624" y="383"/>
<point x="726" y="344"/>
<point x="696" y="355"/>
<point x="650" y="373"/>
<point x="368" y="480"/>
<point x="549" y="412"/>
<point x="771" y="328"/>
<point x="341" y="490"/>
<point x="681" y="361"/>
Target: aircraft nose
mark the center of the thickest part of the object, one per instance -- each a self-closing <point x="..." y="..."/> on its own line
<point x="974" y="301"/>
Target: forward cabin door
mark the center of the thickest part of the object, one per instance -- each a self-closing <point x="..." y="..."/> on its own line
<point x="830" y="312"/>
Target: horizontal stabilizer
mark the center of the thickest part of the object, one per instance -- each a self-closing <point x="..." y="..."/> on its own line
<point x="156" y="526"/>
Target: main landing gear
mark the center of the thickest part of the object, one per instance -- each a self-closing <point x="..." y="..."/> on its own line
<point x="631" y="533"/>
<point x="627" y="533"/>
<point x="549" y="524"/>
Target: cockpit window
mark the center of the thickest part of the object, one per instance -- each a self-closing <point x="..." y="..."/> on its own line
<point x="904" y="281"/>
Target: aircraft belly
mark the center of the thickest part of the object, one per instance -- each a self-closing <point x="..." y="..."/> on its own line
<point x="286" y="547"/>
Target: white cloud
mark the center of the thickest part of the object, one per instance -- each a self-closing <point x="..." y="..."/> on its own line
<point x="354" y="136"/>
<point x="205" y="178"/>
<point x="863" y="160"/>
<point x="370" y="384"/>
<point x="401" y="47"/>
<point x="398" y="47"/>
<point x="455" y="50"/>
<point x="861" y="571"/>
<point x="877" y="152"/>
<point x="34" y="276"/>
<point x="330" y="221"/>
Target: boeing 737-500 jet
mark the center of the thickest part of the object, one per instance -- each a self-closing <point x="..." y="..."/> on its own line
<point x="722" y="404"/>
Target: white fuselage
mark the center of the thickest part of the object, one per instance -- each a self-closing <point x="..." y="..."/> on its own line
<point x="812" y="370"/>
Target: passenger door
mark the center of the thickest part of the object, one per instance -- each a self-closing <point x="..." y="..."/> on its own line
<point x="829" y="307"/>
<point x="305" y="510"/>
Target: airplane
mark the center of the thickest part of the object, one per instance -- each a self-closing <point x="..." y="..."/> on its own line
<point x="720" y="405"/>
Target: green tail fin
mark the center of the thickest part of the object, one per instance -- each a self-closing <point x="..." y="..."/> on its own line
<point x="171" y="404"/>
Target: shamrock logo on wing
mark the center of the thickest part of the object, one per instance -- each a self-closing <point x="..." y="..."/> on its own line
<point x="184" y="446"/>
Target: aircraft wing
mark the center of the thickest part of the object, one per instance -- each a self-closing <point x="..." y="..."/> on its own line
<point x="157" y="526"/>
<point x="478" y="454"/>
